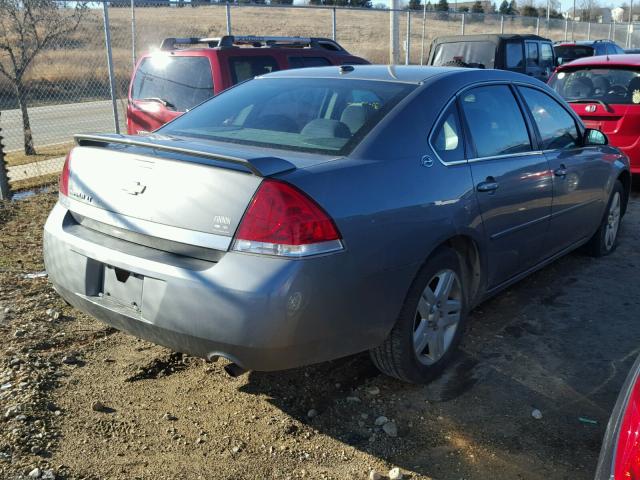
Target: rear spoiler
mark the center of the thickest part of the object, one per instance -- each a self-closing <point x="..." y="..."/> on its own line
<point x="261" y="166"/>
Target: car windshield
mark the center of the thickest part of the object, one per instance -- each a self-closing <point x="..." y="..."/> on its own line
<point x="566" y="53"/>
<point x="304" y="114"/>
<point x="474" y="54"/>
<point x="608" y="85"/>
<point x="180" y="83"/>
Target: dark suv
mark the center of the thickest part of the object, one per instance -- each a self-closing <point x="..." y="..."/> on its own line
<point x="168" y="82"/>
<point x="528" y="54"/>
<point x="569" y="51"/>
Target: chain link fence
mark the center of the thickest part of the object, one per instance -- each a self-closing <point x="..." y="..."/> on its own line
<point x="68" y="87"/>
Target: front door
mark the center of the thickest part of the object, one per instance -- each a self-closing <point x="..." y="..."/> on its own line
<point x="578" y="189"/>
<point x="512" y="181"/>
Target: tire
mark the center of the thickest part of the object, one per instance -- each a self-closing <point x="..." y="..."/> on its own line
<point x="604" y="241"/>
<point x="456" y="63"/>
<point x="424" y="339"/>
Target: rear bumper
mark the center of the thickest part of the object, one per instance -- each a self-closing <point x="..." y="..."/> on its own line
<point x="261" y="312"/>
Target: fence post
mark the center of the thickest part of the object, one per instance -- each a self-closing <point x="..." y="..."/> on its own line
<point x="133" y="32"/>
<point x="333" y="24"/>
<point x="462" y="25"/>
<point x="566" y="28"/>
<point x="589" y="31"/>
<point x="5" y="192"/>
<point x="394" y="33"/>
<point x="501" y="23"/>
<point x="228" y="12"/>
<point x="610" y="24"/>
<point x="112" y="80"/>
<point x="538" y="26"/>
<point x="408" y="40"/>
<point x="424" y="27"/>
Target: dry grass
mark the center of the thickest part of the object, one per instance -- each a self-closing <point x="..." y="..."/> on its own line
<point x="34" y="182"/>
<point x="81" y="66"/>
<point x="44" y="153"/>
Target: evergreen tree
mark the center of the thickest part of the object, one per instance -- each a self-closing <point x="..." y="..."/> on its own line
<point x="442" y="6"/>
<point x="513" y="8"/>
<point x="415" y="4"/>
<point x="504" y="7"/>
<point x="477" y="7"/>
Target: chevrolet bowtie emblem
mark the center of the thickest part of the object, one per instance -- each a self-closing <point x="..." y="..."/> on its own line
<point x="134" y="188"/>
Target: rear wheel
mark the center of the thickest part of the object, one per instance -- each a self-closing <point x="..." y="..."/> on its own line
<point x="605" y="239"/>
<point x="429" y="327"/>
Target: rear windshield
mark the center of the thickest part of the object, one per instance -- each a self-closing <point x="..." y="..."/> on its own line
<point x="304" y="114"/>
<point x="474" y="54"/>
<point x="609" y="85"/>
<point x="246" y="67"/>
<point x="179" y="82"/>
<point x="567" y="53"/>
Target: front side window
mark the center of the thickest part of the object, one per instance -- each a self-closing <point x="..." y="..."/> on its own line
<point x="474" y="54"/>
<point x="532" y="54"/>
<point x="303" y="62"/>
<point x="515" y="59"/>
<point x="304" y="114"/>
<point x="447" y="136"/>
<point x="244" y="68"/>
<point x="495" y="121"/>
<point x="180" y="83"/>
<point x="609" y="85"/>
<point x="556" y="126"/>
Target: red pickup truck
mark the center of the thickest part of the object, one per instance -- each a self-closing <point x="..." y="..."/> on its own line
<point x="174" y="79"/>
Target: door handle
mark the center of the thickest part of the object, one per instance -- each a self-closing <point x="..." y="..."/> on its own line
<point x="489" y="185"/>
<point x="560" y="172"/>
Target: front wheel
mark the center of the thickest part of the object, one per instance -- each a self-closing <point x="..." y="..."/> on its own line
<point x="429" y="328"/>
<point x="604" y="240"/>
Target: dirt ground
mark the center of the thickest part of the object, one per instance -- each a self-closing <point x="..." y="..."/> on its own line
<point x="560" y="341"/>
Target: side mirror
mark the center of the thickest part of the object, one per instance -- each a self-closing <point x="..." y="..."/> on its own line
<point x="594" y="137"/>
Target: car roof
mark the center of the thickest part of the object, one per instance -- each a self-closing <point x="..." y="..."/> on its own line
<point x="413" y="74"/>
<point x="621" y="60"/>
<point x="582" y="43"/>
<point x="490" y="37"/>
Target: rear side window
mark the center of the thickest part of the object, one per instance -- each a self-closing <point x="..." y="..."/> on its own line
<point x="495" y="121"/>
<point x="447" y="136"/>
<point x="303" y="62"/>
<point x="532" y="54"/>
<point x="515" y="58"/>
<point x="244" y="68"/>
<point x="556" y="126"/>
<point x="179" y="82"/>
<point x="546" y="55"/>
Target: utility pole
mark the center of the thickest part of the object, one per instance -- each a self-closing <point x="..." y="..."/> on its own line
<point x="394" y="33"/>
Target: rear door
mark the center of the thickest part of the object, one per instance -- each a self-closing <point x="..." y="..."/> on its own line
<point x="579" y="174"/>
<point x="532" y="54"/>
<point x="512" y="180"/>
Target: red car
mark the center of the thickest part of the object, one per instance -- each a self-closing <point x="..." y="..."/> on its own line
<point x="620" y="454"/>
<point x="168" y="82"/>
<point x="605" y="92"/>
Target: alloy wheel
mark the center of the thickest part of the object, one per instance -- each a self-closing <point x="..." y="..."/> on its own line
<point x="437" y="317"/>
<point x="613" y="222"/>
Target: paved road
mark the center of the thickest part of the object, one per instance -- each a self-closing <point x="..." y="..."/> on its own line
<point x="57" y="123"/>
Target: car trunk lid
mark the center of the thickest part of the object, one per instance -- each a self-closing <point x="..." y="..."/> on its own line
<point x="163" y="188"/>
<point x="620" y="122"/>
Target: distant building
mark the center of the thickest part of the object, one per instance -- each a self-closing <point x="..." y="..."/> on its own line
<point x="617" y="14"/>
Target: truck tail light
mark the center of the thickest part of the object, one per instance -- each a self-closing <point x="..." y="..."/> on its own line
<point x="627" y="456"/>
<point x="282" y="220"/>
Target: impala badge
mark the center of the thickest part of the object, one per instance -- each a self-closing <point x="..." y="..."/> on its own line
<point x="134" y="188"/>
<point x="590" y="108"/>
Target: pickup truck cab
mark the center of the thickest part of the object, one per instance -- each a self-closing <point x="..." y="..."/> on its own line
<point x="174" y="79"/>
<point x="529" y="54"/>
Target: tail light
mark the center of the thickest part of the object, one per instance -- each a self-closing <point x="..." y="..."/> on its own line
<point x="63" y="183"/>
<point x="627" y="457"/>
<point x="281" y="220"/>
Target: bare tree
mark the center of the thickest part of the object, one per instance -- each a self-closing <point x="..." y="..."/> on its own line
<point x="27" y="27"/>
<point x="589" y="10"/>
